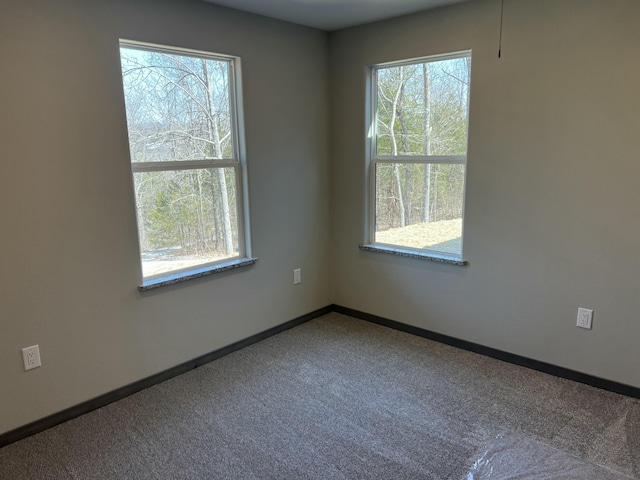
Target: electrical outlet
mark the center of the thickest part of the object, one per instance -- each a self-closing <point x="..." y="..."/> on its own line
<point x="585" y="317"/>
<point x="297" y="278"/>
<point x="31" y="357"/>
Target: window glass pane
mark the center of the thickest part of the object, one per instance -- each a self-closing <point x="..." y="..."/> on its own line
<point x="178" y="106"/>
<point x="423" y="108"/>
<point x="420" y="206"/>
<point x="186" y="218"/>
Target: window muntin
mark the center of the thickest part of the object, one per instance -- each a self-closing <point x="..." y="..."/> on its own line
<point x="420" y="115"/>
<point x="186" y="157"/>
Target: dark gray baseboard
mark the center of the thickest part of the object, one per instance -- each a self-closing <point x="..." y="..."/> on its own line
<point x="495" y="353"/>
<point x="120" y="393"/>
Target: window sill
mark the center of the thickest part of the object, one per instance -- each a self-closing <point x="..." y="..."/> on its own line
<point x="431" y="256"/>
<point x="173" y="278"/>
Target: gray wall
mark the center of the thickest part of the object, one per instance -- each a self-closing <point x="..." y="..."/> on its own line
<point x="69" y="273"/>
<point x="553" y="196"/>
<point x="551" y="212"/>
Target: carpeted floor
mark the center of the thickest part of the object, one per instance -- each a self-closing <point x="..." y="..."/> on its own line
<point x="340" y="398"/>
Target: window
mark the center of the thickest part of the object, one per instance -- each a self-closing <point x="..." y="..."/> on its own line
<point x="418" y="154"/>
<point x="186" y="159"/>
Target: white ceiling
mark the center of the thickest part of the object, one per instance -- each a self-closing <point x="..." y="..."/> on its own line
<point x="333" y="14"/>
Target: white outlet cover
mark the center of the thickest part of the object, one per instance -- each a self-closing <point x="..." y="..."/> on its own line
<point x="31" y="357"/>
<point x="585" y="318"/>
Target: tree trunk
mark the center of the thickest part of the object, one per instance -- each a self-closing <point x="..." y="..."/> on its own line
<point x="396" y="175"/>
<point x="217" y="153"/>
<point x="435" y="215"/>
<point x="226" y="215"/>
<point x="394" y="143"/>
<point x="407" y="192"/>
<point x="426" y="182"/>
<point x="203" y="244"/>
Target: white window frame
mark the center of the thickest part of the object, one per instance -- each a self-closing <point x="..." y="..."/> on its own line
<point x="237" y="162"/>
<point x="374" y="159"/>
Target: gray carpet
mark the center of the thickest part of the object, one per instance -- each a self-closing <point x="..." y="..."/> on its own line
<point x="340" y="398"/>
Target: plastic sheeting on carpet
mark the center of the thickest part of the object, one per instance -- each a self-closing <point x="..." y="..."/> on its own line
<point x="514" y="456"/>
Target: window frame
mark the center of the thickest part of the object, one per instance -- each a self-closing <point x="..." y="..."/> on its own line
<point x="237" y="161"/>
<point x="374" y="160"/>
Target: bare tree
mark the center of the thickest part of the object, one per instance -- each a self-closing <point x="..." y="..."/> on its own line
<point x="426" y="188"/>
<point x="178" y="109"/>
